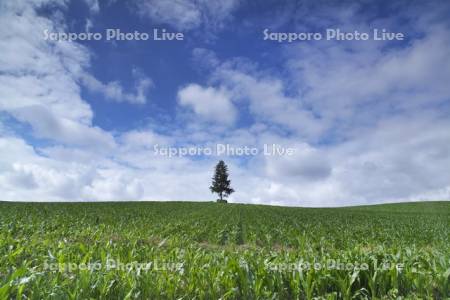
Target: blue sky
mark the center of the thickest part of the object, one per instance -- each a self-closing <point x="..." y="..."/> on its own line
<point x="368" y="121"/>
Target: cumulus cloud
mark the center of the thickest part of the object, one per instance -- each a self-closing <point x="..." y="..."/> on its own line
<point x="39" y="79"/>
<point x="268" y="102"/>
<point x="34" y="71"/>
<point x="25" y="175"/>
<point x="62" y="174"/>
<point x="209" y="103"/>
<point x="50" y="126"/>
<point x="262" y="94"/>
<point x="367" y="84"/>
<point x="114" y="91"/>
<point x="399" y="159"/>
<point x="354" y="84"/>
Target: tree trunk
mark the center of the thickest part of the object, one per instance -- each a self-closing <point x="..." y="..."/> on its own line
<point x="220" y="196"/>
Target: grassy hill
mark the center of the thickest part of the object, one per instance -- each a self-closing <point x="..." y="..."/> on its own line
<point x="234" y="251"/>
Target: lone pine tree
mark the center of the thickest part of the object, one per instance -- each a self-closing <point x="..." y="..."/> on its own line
<point x="220" y="182"/>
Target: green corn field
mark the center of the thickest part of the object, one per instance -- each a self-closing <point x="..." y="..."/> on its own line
<point x="184" y="250"/>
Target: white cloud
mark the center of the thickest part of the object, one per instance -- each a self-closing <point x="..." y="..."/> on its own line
<point x="188" y="14"/>
<point x="39" y="80"/>
<point x="204" y="59"/>
<point x="209" y="103"/>
<point x="114" y="91"/>
<point x="93" y="5"/>
<point x="48" y="125"/>
<point x="66" y="174"/>
<point x="112" y="185"/>
<point x="352" y="86"/>
<point x="41" y="178"/>
<point x="306" y="163"/>
<point x="143" y="138"/>
<point x="399" y="159"/>
<point x="268" y="101"/>
<point x="26" y="175"/>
